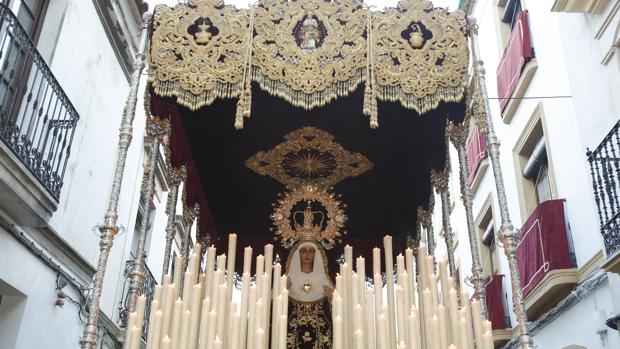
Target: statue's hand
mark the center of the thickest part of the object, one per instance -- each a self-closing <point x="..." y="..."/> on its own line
<point x="328" y="292"/>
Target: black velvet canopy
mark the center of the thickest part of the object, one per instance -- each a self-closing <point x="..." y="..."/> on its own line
<point x="234" y="199"/>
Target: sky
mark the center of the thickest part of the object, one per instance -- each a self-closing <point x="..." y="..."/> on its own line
<point x="379" y="4"/>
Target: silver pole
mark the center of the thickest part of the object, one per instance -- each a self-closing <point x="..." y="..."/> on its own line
<point x="441" y="180"/>
<point x="508" y="235"/>
<point x="110" y="228"/>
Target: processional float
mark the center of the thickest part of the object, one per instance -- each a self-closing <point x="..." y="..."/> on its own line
<point x="411" y="60"/>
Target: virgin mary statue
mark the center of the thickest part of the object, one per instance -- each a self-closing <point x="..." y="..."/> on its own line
<point x="310" y="292"/>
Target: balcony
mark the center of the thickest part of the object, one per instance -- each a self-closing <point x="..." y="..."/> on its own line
<point x="147" y="288"/>
<point x="37" y="125"/>
<point x="605" y="169"/>
<point x="516" y="68"/>
<point x="477" y="161"/>
<point x="582" y="6"/>
<point x="496" y="311"/>
<point x="546" y="262"/>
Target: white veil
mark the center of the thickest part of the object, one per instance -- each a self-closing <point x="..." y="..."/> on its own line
<point x="316" y="279"/>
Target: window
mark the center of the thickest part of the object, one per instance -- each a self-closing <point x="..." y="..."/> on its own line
<point x="511" y="13"/>
<point x="507" y="15"/>
<point x="30" y="14"/>
<point x="489" y="256"/>
<point x="534" y="175"/>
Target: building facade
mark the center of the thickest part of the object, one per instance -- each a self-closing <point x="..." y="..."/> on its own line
<point x="65" y="78"/>
<point x="552" y="74"/>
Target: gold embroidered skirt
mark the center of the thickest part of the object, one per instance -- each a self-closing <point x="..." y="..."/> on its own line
<point x="309" y="325"/>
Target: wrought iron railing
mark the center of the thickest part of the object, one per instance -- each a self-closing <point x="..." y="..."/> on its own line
<point x="37" y="120"/>
<point x="605" y="168"/>
<point x="147" y="288"/>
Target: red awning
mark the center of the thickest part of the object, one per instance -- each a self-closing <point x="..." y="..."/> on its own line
<point x="476" y="152"/>
<point x="516" y="54"/>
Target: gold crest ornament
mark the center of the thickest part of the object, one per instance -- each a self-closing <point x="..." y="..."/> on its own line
<point x="420" y="55"/>
<point x="308" y="213"/>
<point x="198" y="51"/>
<point x="309" y="156"/>
<point x="309" y="51"/>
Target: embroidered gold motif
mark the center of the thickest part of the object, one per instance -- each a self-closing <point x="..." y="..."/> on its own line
<point x="420" y="55"/>
<point x="309" y="156"/>
<point x="292" y="225"/>
<point x="309" y="325"/>
<point x="306" y="287"/>
<point x="309" y="52"/>
<point x="198" y="51"/>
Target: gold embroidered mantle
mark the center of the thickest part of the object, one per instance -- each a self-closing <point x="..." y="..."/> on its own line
<point x="309" y="52"/>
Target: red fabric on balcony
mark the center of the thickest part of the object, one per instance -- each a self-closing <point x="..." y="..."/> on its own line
<point x="495" y="302"/>
<point x="476" y="152"/>
<point x="516" y="54"/>
<point x="544" y="244"/>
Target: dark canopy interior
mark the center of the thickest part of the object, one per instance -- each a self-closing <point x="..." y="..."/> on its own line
<point x="381" y="201"/>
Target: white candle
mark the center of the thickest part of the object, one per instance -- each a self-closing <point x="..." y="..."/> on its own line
<point x="140" y="306"/>
<point x="385" y="332"/>
<point x="187" y="290"/>
<point x="234" y="332"/>
<point x="251" y="317"/>
<point x="378" y="285"/>
<point x="204" y="324"/>
<point x="195" y="316"/>
<point x="247" y="260"/>
<point x="400" y="266"/>
<point x="166" y="343"/>
<point x="432" y="280"/>
<point x="184" y="335"/>
<point x="443" y="327"/>
<point x="194" y="259"/>
<point x="389" y="274"/>
<point x="359" y="339"/>
<point x="453" y="308"/>
<point x="338" y="333"/>
<point x="487" y="340"/>
<point x="215" y="290"/>
<point x="211" y="328"/>
<point x="476" y="315"/>
<point x="282" y="332"/>
<point x="221" y="310"/>
<point x="354" y="287"/>
<point x="154" y="309"/>
<point x="131" y="321"/>
<point x="175" y="325"/>
<point x="245" y="290"/>
<point x="217" y="343"/>
<point x="159" y="316"/>
<point x="230" y="267"/>
<point x="401" y="314"/>
<point x="268" y="259"/>
<point x="376" y="261"/>
<point x="361" y="271"/>
<point x="260" y="267"/>
<point x="135" y="335"/>
<point x="209" y="267"/>
<point x="277" y="273"/>
<point x="169" y="295"/>
<point x="411" y="272"/>
<point x="260" y="338"/>
<point x="434" y="324"/>
<point x="277" y="309"/>
<point x="414" y="329"/>
<point x="463" y="337"/>
<point x="178" y="270"/>
<point x="348" y="255"/>
<point x="370" y="319"/>
<point x="443" y="281"/>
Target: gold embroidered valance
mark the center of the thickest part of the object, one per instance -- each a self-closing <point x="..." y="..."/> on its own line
<point x="309" y="52"/>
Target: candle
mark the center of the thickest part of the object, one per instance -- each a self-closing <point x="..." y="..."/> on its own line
<point x="217" y="343"/>
<point x="432" y="280"/>
<point x="354" y="287"/>
<point x="245" y="290"/>
<point x="414" y="329"/>
<point x="135" y="335"/>
<point x="443" y="280"/>
<point x="178" y="270"/>
<point x="348" y="255"/>
<point x="376" y="261"/>
<point x="487" y="340"/>
<point x="209" y="267"/>
<point x="453" y="309"/>
<point x="427" y="313"/>
<point x="463" y="337"/>
<point x="140" y="306"/>
<point x="221" y="310"/>
<point x="400" y="312"/>
<point x="275" y="318"/>
<point x="277" y="271"/>
<point x="204" y="324"/>
<point x="194" y="259"/>
<point x="411" y="272"/>
<point x="359" y="339"/>
<point x="384" y="327"/>
<point x="154" y="309"/>
<point x="175" y="324"/>
<point x="389" y="275"/>
<point x="169" y="294"/>
<point x="166" y="343"/>
<point x="260" y="267"/>
<point x="282" y="330"/>
<point x="195" y="316"/>
<point x="230" y="267"/>
<point x="370" y="319"/>
<point x="167" y="279"/>
<point x="212" y="324"/>
<point x="404" y="277"/>
<point x="357" y="317"/>
<point x="477" y="320"/>
<point x="131" y="321"/>
<point x="187" y="290"/>
<point x="361" y="271"/>
<point x="184" y="331"/>
<point x="443" y="327"/>
<point x="400" y="266"/>
<point x="251" y="317"/>
<point x="159" y="315"/>
<point x="434" y="335"/>
<point x="247" y="260"/>
<point x="260" y="338"/>
<point x="268" y="259"/>
<point x="487" y="326"/>
<point x="234" y="332"/>
<point x="338" y="333"/>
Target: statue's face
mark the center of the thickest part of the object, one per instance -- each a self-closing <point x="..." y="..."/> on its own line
<point x="306" y="254"/>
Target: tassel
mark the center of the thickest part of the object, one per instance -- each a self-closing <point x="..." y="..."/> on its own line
<point x="240" y="111"/>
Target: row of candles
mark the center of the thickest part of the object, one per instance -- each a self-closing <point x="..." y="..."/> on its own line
<point x="202" y="313"/>
<point x="409" y="312"/>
